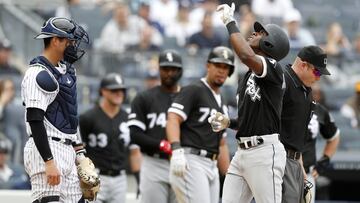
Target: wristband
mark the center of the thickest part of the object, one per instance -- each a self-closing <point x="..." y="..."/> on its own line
<point x="232" y="28"/>
<point x="175" y="145"/>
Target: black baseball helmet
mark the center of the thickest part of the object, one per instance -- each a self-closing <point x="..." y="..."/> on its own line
<point x="223" y="55"/>
<point x="276" y="43"/>
<point x="171" y="58"/>
<point x="112" y="81"/>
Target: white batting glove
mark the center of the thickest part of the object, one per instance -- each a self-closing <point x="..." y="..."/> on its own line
<point x="178" y="162"/>
<point x="218" y="121"/>
<point x="226" y="12"/>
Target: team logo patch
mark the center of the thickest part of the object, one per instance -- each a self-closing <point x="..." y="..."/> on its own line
<point x="169" y="57"/>
<point x="252" y="89"/>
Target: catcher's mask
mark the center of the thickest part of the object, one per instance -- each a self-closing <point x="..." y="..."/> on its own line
<point x="66" y="28"/>
<point x="223" y="55"/>
<point x="276" y="43"/>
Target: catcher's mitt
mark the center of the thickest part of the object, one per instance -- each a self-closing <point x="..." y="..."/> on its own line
<point x="89" y="179"/>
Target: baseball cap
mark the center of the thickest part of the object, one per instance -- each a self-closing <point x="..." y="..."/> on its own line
<point x="112" y="81"/>
<point x="170" y="58"/>
<point x="315" y="56"/>
<point x="292" y="15"/>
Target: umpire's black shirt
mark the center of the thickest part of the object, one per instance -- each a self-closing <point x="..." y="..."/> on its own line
<point x="296" y="112"/>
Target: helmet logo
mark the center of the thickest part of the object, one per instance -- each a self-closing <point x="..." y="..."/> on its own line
<point x="118" y="79"/>
<point x="169" y="57"/>
<point x="225" y="54"/>
<point x="325" y="61"/>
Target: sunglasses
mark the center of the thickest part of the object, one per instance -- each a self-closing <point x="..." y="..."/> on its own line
<point x="316" y="72"/>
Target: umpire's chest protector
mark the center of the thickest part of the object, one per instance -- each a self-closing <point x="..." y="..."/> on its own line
<point x="62" y="112"/>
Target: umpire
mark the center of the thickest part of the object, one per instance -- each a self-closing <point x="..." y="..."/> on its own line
<point x="106" y="136"/>
<point x="298" y="105"/>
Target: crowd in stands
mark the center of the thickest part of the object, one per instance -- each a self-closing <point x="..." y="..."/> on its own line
<point x="132" y="32"/>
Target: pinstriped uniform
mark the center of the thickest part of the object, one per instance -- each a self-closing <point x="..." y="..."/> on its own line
<point x="64" y="155"/>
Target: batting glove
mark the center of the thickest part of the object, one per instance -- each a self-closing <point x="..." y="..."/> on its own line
<point x="218" y="121"/>
<point x="226" y="12"/>
<point x="178" y="162"/>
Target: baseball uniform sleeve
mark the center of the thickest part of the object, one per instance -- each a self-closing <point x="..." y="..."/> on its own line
<point x="184" y="101"/>
<point x="137" y="116"/>
<point x="272" y="71"/>
<point x="328" y="129"/>
<point x="34" y="88"/>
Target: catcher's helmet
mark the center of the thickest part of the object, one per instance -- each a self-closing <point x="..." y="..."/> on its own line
<point x="223" y="55"/>
<point x="112" y="81"/>
<point x="276" y="43"/>
<point x="66" y="28"/>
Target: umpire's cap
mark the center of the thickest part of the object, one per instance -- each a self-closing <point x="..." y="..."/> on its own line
<point x="170" y="58"/>
<point x="315" y="56"/>
<point x="276" y="43"/>
<point x="112" y="81"/>
<point x="223" y="55"/>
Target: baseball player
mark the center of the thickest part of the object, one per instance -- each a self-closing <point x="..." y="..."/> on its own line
<point x="257" y="168"/>
<point x="308" y="66"/>
<point x="48" y="92"/>
<point x="321" y="123"/>
<point x="147" y="122"/>
<point x="105" y="132"/>
<point x="197" y="150"/>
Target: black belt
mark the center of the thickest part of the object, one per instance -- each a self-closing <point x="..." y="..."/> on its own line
<point x="112" y="172"/>
<point x="248" y="144"/>
<point x="159" y="155"/>
<point x="47" y="199"/>
<point x="201" y="152"/>
<point x="294" y="155"/>
<point x="61" y="140"/>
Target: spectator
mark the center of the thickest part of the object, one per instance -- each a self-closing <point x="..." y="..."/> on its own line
<point x="351" y="109"/>
<point x="298" y="36"/>
<point x="207" y="38"/>
<point x="354" y="54"/>
<point x="206" y="6"/>
<point x="271" y="9"/>
<point x="64" y="10"/>
<point x="247" y="20"/>
<point x="145" y="44"/>
<point x="336" y="41"/>
<point x="123" y="30"/>
<point x="163" y="11"/>
<point x="12" y="176"/>
<point x="5" y="56"/>
<point x="144" y="13"/>
<point x="183" y="27"/>
<point x="11" y="114"/>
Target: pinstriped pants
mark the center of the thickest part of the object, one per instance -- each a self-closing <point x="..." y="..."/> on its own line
<point x="64" y="156"/>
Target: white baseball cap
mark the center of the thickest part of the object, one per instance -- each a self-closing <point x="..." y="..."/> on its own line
<point x="292" y="15"/>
